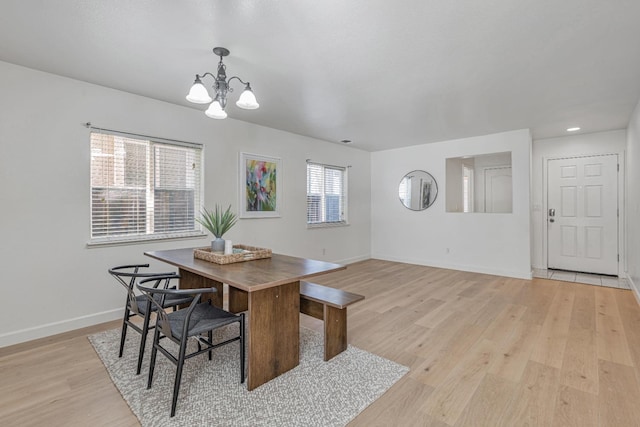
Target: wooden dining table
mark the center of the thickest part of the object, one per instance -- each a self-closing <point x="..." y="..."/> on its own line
<point x="268" y="289"/>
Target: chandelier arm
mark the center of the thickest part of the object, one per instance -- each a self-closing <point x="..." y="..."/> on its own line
<point x="202" y="76"/>
<point x="239" y="79"/>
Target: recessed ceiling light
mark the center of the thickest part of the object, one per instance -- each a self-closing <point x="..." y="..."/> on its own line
<point x="573" y="129"/>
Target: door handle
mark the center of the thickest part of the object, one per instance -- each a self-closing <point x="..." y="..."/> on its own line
<point x="551" y="220"/>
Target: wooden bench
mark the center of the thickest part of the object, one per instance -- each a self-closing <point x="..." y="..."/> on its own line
<point x="330" y="305"/>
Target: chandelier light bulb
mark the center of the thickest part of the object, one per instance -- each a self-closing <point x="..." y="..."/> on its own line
<point x="215" y="111"/>
<point x="198" y="93"/>
<point x="247" y="99"/>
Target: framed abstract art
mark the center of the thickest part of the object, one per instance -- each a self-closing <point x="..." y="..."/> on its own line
<point x="259" y="185"/>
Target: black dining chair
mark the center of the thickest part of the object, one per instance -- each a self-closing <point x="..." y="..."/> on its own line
<point x="137" y="305"/>
<point x="194" y="321"/>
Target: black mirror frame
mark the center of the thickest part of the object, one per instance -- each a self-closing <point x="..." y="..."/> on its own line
<point x="428" y="176"/>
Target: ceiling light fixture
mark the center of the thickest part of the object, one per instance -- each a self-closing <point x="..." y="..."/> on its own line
<point x="199" y="95"/>
<point x="573" y="129"/>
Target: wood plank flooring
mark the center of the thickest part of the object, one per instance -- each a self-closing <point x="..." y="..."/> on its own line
<point x="483" y="351"/>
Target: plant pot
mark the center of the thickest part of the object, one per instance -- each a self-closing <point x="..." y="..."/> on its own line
<point x="217" y="245"/>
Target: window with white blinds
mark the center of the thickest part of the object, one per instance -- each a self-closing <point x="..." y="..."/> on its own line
<point x="326" y="195"/>
<point x="143" y="189"/>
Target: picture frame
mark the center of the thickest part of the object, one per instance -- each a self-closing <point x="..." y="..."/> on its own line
<point x="259" y="186"/>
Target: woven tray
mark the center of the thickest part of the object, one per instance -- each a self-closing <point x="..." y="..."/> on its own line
<point x="248" y="253"/>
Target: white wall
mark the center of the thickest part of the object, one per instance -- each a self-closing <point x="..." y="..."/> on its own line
<point x="51" y="282"/>
<point x="612" y="142"/>
<point x="454" y="198"/>
<point x="488" y="243"/>
<point x="633" y="200"/>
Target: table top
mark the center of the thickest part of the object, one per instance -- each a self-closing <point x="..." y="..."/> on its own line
<point x="248" y="275"/>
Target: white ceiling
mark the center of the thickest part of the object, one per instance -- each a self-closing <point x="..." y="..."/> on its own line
<point x="384" y="74"/>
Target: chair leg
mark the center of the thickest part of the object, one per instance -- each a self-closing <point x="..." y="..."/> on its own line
<point x="143" y="341"/>
<point x="154" y="352"/>
<point x="241" y="348"/>
<point x="210" y="335"/>
<point x="176" y="384"/>
<point x="123" y="334"/>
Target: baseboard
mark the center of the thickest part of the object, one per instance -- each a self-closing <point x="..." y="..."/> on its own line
<point x="353" y="259"/>
<point x="28" y="334"/>
<point x="23" y="335"/>
<point x="634" y="287"/>
<point x="525" y="274"/>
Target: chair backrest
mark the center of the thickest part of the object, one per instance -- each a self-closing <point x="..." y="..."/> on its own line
<point x="158" y="292"/>
<point x="127" y="275"/>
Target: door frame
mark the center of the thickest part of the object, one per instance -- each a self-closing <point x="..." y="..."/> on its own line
<point x="621" y="206"/>
<point x="484" y="186"/>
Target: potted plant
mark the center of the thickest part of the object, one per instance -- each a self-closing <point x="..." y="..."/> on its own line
<point x="218" y="223"/>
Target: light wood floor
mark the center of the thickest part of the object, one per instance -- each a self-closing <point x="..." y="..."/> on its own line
<point x="483" y="351"/>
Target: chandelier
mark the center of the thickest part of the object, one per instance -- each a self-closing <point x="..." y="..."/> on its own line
<point x="199" y="95"/>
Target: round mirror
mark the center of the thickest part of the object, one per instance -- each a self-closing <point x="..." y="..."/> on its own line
<point x="418" y="190"/>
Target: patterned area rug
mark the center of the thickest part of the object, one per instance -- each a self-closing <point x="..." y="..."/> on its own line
<point x="315" y="393"/>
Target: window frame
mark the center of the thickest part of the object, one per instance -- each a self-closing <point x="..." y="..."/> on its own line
<point x="468" y="189"/>
<point x="151" y="185"/>
<point x="345" y="197"/>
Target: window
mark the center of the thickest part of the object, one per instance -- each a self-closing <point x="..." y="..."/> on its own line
<point x="467" y="189"/>
<point x="143" y="189"/>
<point x="404" y="191"/>
<point x="326" y="195"/>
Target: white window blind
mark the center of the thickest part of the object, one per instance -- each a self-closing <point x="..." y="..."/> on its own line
<point x="143" y="189"/>
<point x="326" y="194"/>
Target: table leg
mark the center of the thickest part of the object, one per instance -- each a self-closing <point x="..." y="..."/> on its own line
<point x="335" y="331"/>
<point x="274" y="332"/>
<point x="189" y="280"/>
<point x="238" y="300"/>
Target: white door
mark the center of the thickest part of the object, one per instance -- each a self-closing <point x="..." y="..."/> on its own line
<point x="497" y="190"/>
<point x="582" y="216"/>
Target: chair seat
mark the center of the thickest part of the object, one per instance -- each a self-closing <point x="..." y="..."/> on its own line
<point x="170" y="301"/>
<point x="204" y="318"/>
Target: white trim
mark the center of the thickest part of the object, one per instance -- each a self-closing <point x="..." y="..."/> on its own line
<point x="41" y="331"/>
<point x="327" y="224"/>
<point x="142" y="239"/>
<point x="635" y="288"/>
<point x="353" y="259"/>
<point x="621" y="206"/>
<point x="526" y="274"/>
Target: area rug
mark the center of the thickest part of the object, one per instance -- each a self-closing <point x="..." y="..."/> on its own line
<point x="315" y="393"/>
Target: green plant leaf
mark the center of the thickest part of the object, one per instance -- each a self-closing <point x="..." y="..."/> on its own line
<point x="216" y="221"/>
